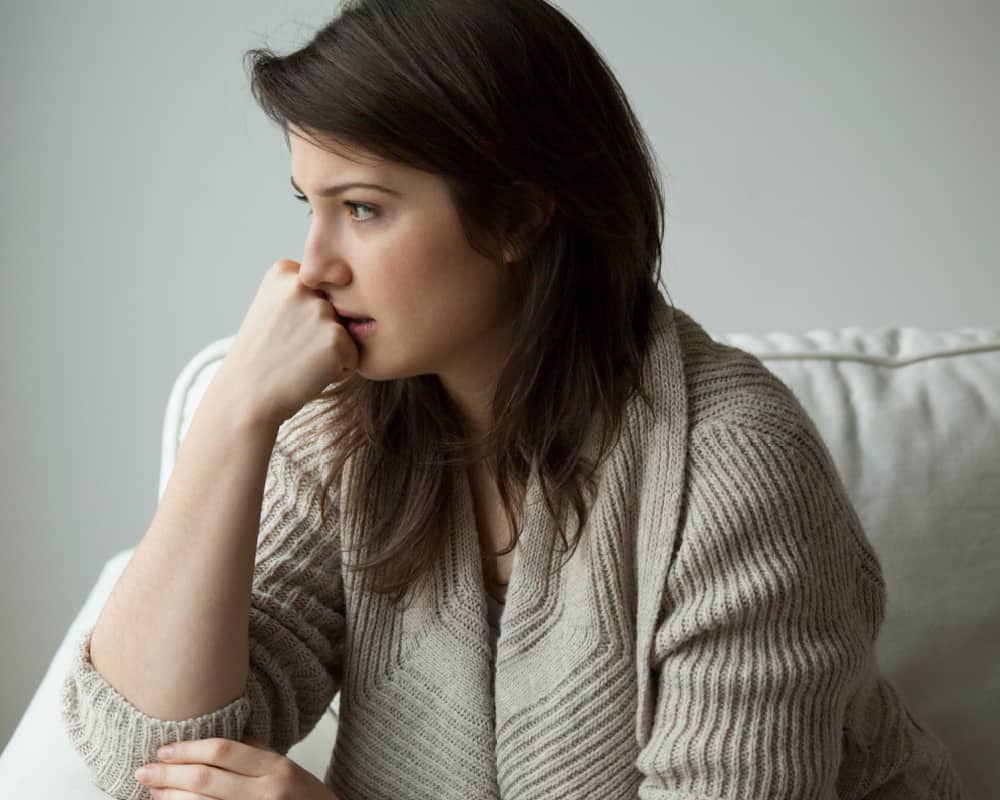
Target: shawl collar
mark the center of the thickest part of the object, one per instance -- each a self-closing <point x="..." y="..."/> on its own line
<point x="601" y="609"/>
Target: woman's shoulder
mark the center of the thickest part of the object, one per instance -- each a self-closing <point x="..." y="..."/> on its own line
<point x="726" y="385"/>
<point x="708" y="385"/>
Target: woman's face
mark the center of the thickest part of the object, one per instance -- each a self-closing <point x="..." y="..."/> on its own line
<point x="403" y="260"/>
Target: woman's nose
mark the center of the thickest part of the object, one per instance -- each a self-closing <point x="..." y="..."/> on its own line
<point x="314" y="272"/>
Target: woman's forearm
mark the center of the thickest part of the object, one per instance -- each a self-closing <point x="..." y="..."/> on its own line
<point x="172" y="637"/>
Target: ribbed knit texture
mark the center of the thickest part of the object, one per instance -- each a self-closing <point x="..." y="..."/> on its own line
<point x="712" y="636"/>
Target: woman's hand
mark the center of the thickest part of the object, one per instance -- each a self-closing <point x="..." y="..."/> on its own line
<point x="289" y="348"/>
<point x="222" y="769"/>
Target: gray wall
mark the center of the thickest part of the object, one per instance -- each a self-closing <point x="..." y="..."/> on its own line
<point x="826" y="164"/>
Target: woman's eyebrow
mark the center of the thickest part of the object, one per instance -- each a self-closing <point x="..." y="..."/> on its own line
<point x="331" y="191"/>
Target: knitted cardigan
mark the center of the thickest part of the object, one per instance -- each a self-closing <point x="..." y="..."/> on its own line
<point x="711" y="637"/>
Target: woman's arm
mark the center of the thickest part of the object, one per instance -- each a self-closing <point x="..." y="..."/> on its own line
<point x="767" y="676"/>
<point x="172" y="637"/>
<point x="291" y="631"/>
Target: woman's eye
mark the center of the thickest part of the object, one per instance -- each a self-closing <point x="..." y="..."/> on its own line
<point x="347" y="203"/>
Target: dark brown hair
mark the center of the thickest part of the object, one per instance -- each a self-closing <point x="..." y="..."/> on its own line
<point x="503" y="99"/>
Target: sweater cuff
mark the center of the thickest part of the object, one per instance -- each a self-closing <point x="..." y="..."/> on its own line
<point x="114" y="738"/>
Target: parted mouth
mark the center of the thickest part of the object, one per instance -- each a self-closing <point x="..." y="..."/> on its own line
<point x="351" y="316"/>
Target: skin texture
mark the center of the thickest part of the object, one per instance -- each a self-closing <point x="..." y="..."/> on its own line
<point x="439" y="306"/>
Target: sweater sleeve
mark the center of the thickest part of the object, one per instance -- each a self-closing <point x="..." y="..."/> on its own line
<point x="296" y="626"/>
<point x="772" y="605"/>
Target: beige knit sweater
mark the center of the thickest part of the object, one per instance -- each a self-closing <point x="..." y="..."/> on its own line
<point x="712" y="636"/>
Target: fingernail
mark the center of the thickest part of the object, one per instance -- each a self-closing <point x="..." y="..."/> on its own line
<point x="165" y="752"/>
<point x="142" y="774"/>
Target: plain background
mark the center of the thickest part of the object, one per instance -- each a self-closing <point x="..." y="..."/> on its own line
<point x="826" y="164"/>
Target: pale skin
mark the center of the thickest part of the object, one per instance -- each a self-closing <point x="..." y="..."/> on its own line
<point x="401" y="258"/>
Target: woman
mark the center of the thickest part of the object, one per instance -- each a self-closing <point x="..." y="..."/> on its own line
<point x="545" y="537"/>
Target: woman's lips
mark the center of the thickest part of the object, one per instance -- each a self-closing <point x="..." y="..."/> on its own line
<point x="360" y="330"/>
<point x="347" y="313"/>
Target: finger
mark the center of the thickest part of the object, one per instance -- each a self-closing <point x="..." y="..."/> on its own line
<point x="200" y="780"/>
<point x="238" y="757"/>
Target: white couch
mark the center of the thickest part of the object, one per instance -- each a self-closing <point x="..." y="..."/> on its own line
<point x="912" y="419"/>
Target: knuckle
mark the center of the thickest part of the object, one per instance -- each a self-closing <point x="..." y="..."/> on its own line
<point x="201" y="777"/>
<point x="221" y="748"/>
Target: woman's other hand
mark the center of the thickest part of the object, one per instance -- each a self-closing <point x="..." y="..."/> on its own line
<point x="222" y="769"/>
